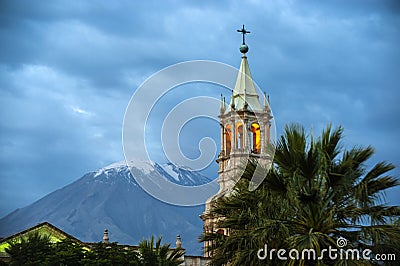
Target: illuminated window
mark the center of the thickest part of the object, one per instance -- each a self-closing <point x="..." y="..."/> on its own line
<point x="228" y="133"/>
<point x="256" y="143"/>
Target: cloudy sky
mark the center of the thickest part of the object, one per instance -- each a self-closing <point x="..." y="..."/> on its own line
<point x="69" y="68"/>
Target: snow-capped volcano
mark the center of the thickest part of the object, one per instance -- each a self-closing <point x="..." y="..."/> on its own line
<point x="179" y="175"/>
<point x="110" y="198"/>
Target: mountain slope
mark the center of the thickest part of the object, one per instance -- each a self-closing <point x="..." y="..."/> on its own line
<point x="111" y="199"/>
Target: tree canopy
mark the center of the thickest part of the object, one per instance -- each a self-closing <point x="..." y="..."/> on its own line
<point x="37" y="249"/>
<point x="316" y="194"/>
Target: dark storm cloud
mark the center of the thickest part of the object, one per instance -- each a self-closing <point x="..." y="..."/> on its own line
<point x="94" y="41"/>
<point x="69" y="68"/>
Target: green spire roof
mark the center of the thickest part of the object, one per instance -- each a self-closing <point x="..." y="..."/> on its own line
<point x="245" y="91"/>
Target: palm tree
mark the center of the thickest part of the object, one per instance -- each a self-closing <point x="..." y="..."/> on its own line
<point x="159" y="255"/>
<point x="32" y="249"/>
<point x="316" y="193"/>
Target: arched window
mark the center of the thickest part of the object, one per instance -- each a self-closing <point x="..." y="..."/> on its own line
<point x="221" y="231"/>
<point x="228" y="140"/>
<point x="256" y="141"/>
<point x="239" y="135"/>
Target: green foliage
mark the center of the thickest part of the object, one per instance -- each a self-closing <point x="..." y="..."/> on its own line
<point x="159" y="255"/>
<point x="315" y="193"/>
<point x="37" y="249"/>
<point x="66" y="252"/>
<point x="111" y="254"/>
<point x="30" y="250"/>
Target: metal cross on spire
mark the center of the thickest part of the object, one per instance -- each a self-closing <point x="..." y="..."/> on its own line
<point x="244" y="32"/>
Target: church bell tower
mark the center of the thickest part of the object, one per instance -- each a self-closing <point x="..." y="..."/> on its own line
<point x="245" y="133"/>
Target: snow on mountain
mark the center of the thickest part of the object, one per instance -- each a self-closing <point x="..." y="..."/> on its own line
<point x="110" y="198"/>
<point x="169" y="169"/>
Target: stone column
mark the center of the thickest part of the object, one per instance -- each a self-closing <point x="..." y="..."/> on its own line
<point x="233" y="137"/>
<point x="262" y="136"/>
<point x="268" y="132"/>
<point x="223" y="145"/>
<point x="245" y="135"/>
